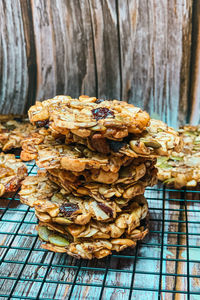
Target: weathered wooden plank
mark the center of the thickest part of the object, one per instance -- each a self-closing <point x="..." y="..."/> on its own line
<point x="155" y="39"/>
<point x="30" y="54"/>
<point x="106" y="45"/>
<point x="46" y="77"/>
<point x="191" y="217"/>
<point x="77" y="40"/>
<point x="63" y="36"/>
<point x="172" y="226"/>
<point x="163" y="216"/>
<point x="13" y="63"/>
<point x="195" y="66"/>
<point x="137" y="50"/>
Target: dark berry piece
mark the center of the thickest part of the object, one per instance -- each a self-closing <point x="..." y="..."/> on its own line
<point x="68" y="209"/>
<point x="106" y="209"/>
<point x="115" y="146"/>
<point x="102" y="113"/>
<point x="44" y="124"/>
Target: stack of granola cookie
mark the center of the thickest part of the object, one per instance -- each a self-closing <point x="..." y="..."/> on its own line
<point x="97" y="157"/>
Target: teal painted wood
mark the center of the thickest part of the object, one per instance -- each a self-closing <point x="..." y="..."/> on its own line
<point x="161" y="266"/>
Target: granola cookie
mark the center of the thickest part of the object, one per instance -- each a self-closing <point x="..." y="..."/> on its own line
<point x="125" y="190"/>
<point x="13" y="129"/>
<point x="133" y="171"/>
<point x="158" y="139"/>
<point x="182" y="168"/>
<point x="12" y="172"/>
<point x="191" y="138"/>
<point x="88" y="246"/>
<point x="52" y="203"/>
<point x="124" y="223"/>
<point x="51" y="153"/>
<point x="87" y="115"/>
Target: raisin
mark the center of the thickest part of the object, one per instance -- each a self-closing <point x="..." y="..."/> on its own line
<point x="12" y="185"/>
<point x="116" y="145"/>
<point x="68" y="209"/>
<point x="100" y="143"/>
<point x="106" y="209"/>
<point x="102" y="113"/>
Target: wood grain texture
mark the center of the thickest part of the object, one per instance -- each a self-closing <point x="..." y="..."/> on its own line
<point x="64" y="48"/>
<point x="138" y="51"/>
<point x="195" y="67"/>
<point x="191" y="225"/>
<point x="106" y="46"/>
<point x="43" y="31"/>
<point x="155" y="40"/>
<point x="30" y="53"/>
<point x="13" y="62"/>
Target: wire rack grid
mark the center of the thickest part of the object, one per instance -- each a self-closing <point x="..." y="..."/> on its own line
<point x="166" y="265"/>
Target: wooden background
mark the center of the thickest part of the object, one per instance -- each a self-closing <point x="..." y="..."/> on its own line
<point x="145" y="52"/>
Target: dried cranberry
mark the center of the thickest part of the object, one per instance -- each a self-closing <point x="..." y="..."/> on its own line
<point x="12" y="185"/>
<point x="102" y="113"/>
<point x="100" y="143"/>
<point x="68" y="209"/>
<point x="106" y="209"/>
<point x="44" y="123"/>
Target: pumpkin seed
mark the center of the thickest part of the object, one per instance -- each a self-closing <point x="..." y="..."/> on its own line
<point x="165" y="165"/>
<point x="58" y="240"/>
<point x="190" y="133"/>
<point x="162" y="159"/>
<point x="167" y="181"/>
<point x="61" y="220"/>
<point x="44" y="233"/>
<point x="160" y="129"/>
<point x="178" y="158"/>
<point x="121" y="201"/>
<point x="196" y="148"/>
<point x="151" y="143"/>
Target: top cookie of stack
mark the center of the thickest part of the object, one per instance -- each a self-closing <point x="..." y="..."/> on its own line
<point x="105" y="126"/>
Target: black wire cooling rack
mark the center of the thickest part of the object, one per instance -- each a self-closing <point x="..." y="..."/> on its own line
<point x="166" y="265"/>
